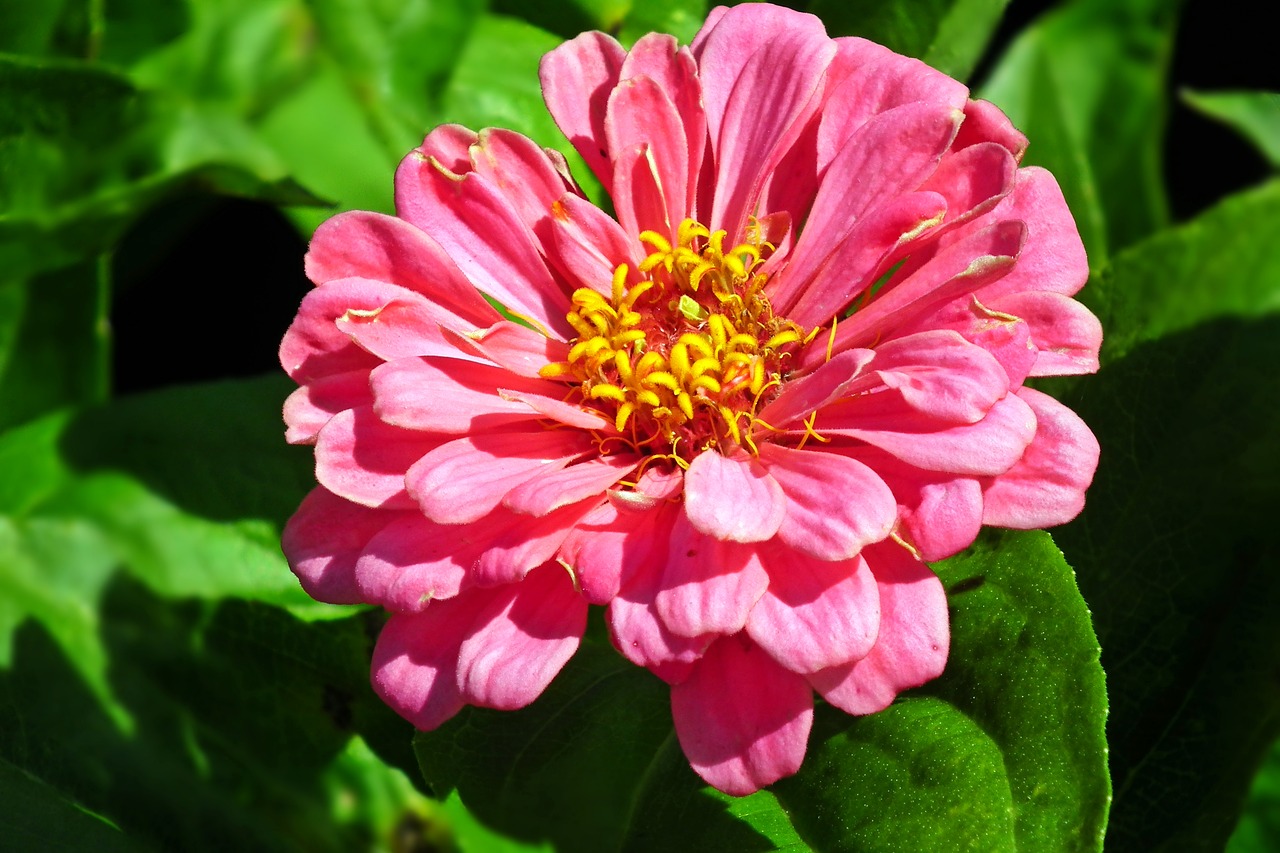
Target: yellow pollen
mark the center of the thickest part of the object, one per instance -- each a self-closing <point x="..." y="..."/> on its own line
<point x="684" y="350"/>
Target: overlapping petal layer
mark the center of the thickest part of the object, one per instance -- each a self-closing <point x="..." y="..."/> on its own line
<point x="740" y="414"/>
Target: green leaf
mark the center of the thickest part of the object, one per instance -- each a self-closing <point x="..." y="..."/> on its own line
<point x="1259" y="828"/>
<point x="245" y="725"/>
<point x="1007" y="752"/>
<point x="35" y="817"/>
<point x="1173" y="549"/>
<point x="950" y="35"/>
<point x="1086" y="84"/>
<point x="1254" y="115"/>
<point x="680" y="18"/>
<point x="592" y="765"/>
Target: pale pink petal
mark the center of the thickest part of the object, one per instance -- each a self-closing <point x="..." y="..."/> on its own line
<point x="364" y="460"/>
<point x="742" y="720"/>
<point x="360" y="244"/>
<point x="577" y="78"/>
<point x="1066" y="334"/>
<point x="1047" y="485"/>
<point x="449" y="396"/>
<point x="511" y="346"/>
<point x="521" y="639"/>
<point x="835" y="505"/>
<point x="913" y="642"/>
<point x="463" y="480"/>
<point x="480" y="229"/>
<point x="990" y="447"/>
<point x="1005" y="336"/>
<point x="324" y="538"/>
<point x="309" y="408"/>
<point x="815" y="614"/>
<point x="555" y="489"/>
<point x="733" y="498"/>
<point x="708" y="585"/>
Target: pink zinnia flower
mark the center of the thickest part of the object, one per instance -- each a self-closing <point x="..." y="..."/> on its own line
<point x="741" y="414"/>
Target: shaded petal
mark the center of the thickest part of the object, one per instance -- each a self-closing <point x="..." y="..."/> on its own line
<point x="815" y="614"/>
<point x="322" y="541"/>
<point x="1066" y="334"/>
<point x="835" y="505"/>
<point x="414" y="561"/>
<point x="708" y="585"/>
<point x="521" y="641"/>
<point x="577" y="78"/>
<point x="742" y="720"/>
<point x="913" y="642"/>
<point x="1047" y="485"/>
<point x="310" y="407"/>
<point x="465" y="479"/>
<point x="416" y="658"/>
<point x="364" y="460"/>
<point x="733" y="498"/>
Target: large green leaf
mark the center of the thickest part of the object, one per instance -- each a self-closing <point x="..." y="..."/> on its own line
<point x="950" y="35"/>
<point x="1173" y="549"/>
<point x="1254" y="115"/>
<point x="1008" y="752"/>
<point x="1086" y="83"/>
<point x="34" y="816"/>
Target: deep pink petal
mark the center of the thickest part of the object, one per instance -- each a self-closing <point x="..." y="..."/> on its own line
<point x="364" y="460"/>
<point x="815" y="614"/>
<point x="555" y="489"/>
<point x="1005" y="336"/>
<point x="314" y="346"/>
<point x="984" y="122"/>
<point x="449" y="396"/>
<point x="577" y="78"/>
<point x="742" y="720"/>
<point x="478" y="225"/>
<point x="1047" y="485"/>
<point x="324" y="538"/>
<point x="650" y="191"/>
<point x="835" y="505"/>
<point x="802" y="396"/>
<point x="511" y="346"/>
<point x="913" y="642"/>
<point x="465" y="479"/>
<point x="416" y="658"/>
<point x="1066" y="334"/>
<point x="310" y="407"/>
<point x="360" y="244"/>
<point x="708" y="585"/>
<point x="414" y="561"/>
<point x="973" y="180"/>
<point x="588" y="245"/>
<point x="733" y="498"/>
<point x="521" y="639"/>
<point x="522" y="171"/>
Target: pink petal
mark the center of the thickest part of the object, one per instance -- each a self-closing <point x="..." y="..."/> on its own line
<point x="310" y="407"/>
<point x="521" y="170"/>
<point x="742" y="720"/>
<point x="322" y="541"/>
<point x="481" y="230"/>
<point x="314" y="347"/>
<point x="577" y="78"/>
<point x="1006" y="337"/>
<point x="973" y="180"/>
<point x="733" y="498"/>
<point x="449" y="396"/>
<point x="938" y="374"/>
<point x="360" y="244"/>
<point x="1047" y="485"/>
<point x="990" y="447"/>
<point x="364" y="460"/>
<point x="401" y="327"/>
<point x="802" y="396"/>
<point x="984" y="122"/>
<point x="1066" y="334"/>
<point x="913" y="641"/>
<point x="587" y="244"/>
<point x="651" y="158"/>
<point x="815" y="614"/>
<point x="415" y="659"/>
<point x="835" y="505"/>
<point x="555" y="489"/>
<point x="414" y="561"/>
<point x="511" y="346"/>
<point x="709" y="585"/>
<point x="521" y="639"/>
<point x="465" y="479"/>
<point x="555" y="409"/>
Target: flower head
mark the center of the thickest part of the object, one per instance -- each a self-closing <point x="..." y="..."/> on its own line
<point x="741" y="414"/>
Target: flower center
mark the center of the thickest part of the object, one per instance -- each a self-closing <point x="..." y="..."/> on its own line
<point x="684" y="357"/>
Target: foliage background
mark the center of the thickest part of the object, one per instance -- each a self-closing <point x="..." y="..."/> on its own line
<point x="164" y="684"/>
